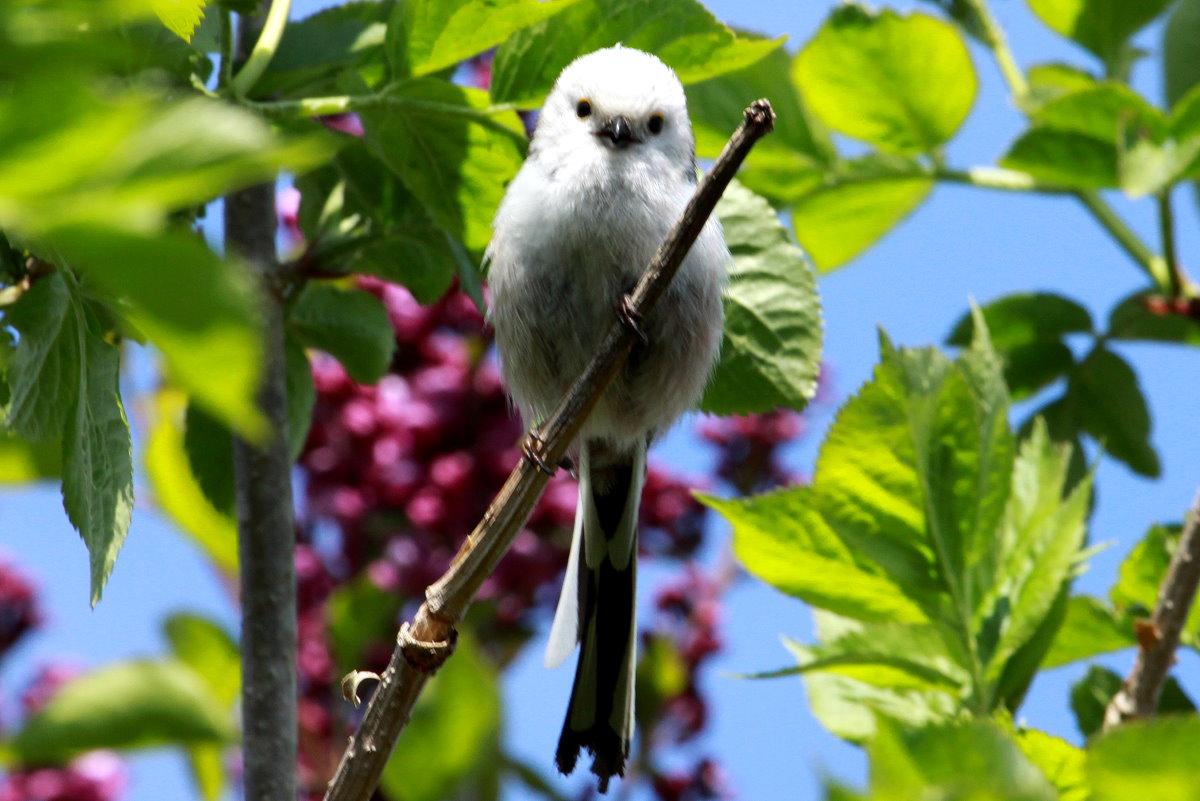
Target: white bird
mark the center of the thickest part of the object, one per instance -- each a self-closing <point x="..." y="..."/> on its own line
<point x="610" y="169"/>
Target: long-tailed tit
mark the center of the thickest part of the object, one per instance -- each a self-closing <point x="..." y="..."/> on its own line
<point x="610" y="169"/>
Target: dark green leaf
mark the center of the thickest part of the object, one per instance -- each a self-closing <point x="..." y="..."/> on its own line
<point x="1023" y="319"/>
<point x="1102" y="26"/>
<point x="1181" y="66"/>
<point x="1147" y="759"/>
<point x="429" y="35"/>
<point x="63" y="377"/>
<point x="771" y="353"/>
<point x="454" y="731"/>
<point x="716" y="107"/>
<point x="350" y="324"/>
<point x="903" y="83"/>
<point x="362" y="618"/>
<point x="209" y="448"/>
<point x="1111" y="408"/>
<point x="681" y="32"/>
<point x="1030" y="368"/>
<point x="127" y="705"/>
<point x="844" y="213"/>
<point x="316" y="49"/>
<point x="1089" y="697"/>
<point x="450" y="150"/>
<point x="1131" y="319"/>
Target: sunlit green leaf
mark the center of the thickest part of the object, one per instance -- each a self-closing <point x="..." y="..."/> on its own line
<point x="204" y="646"/>
<point x="968" y="760"/>
<point x="1060" y="762"/>
<point x="1102" y="26"/>
<point x="450" y="152"/>
<point x="771" y="353"/>
<point x="180" y="16"/>
<point x="847" y="211"/>
<point x="1146" y="759"/>
<point x="682" y="33"/>
<point x="903" y="83"/>
<point x="176" y="490"/>
<point x="127" y="705"/>
<point x="1141" y="575"/>
<point x="1064" y="158"/>
<point x="429" y="35"/>
<point x="1090" y="629"/>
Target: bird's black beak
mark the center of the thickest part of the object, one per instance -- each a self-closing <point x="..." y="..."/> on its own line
<point x="618" y="132"/>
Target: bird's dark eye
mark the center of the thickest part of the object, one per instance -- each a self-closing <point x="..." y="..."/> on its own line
<point x="583" y="108"/>
<point x="656" y="123"/>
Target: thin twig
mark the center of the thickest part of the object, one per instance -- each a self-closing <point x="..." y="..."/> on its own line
<point x="425" y="644"/>
<point x="1166" y="228"/>
<point x="1140" y="693"/>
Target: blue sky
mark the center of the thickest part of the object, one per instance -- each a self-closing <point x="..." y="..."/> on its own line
<point x="963" y="243"/>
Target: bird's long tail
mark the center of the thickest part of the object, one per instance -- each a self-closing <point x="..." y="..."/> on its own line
<point x="597" y="609"/>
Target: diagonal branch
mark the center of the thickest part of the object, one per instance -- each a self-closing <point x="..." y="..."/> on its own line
<point x="425" y="644"/>
<point x="1140" y="693"/>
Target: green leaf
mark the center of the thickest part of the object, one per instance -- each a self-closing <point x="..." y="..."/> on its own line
<point x="1131" y="319"/>
<point x="454" y="730"/>
<point x="209" y="449"/>
<point x="716" y="107"/>
<point x="783" y="540"/>
<point x="450" y="151"/>
<point x="22" y="460"/>
<point x="850" y="209"/>
<point x="420" y="257"/>
<point x="350" y="324"/>
<point x="204" y="646"/>
<point x="1102" y="26"/>
<point x="125" y="163"/>
<point x="662" y="674"/>
<point x="851" y="709"/>
<point x="1030" y="368"/>
<point x="1181" y="67"/>
<point x="176" y="489"/>
<point x="207" y="764"/>
<point x="362" y="619"/>
<point x="429" y="35"/>
<point x="63" y="378"/>
<point x="771" y="352"/>
<point x="682" y="33"/>
<point x="1060" y="762"/>
<point x="137" y="704"/>
<point x="885" y="654"/>
<point x="1091" y="628"/>
<point x="967" y="760"/>
<point x="1090" y="697"/>
<point x="1051" y="81"/>
<point x="195" y="308"/>
<point x="1064" y="158"/>
<point x="316" y="50"/>
<point x="1141" y="574"/>
<point x="902" y="83"/>
<point x="1105" y="111"/>
<point x="1146" y="759"/>
<point x="1111" y="408"/>
<point x="1040" y="546"/>
<point x="1025" y="318"/>
<point x="180" y="16"/>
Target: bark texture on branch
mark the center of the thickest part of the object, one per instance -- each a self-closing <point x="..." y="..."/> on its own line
<point x="425" y="644"/>
<point x="1140" y="693"/>
<point x="266" y="533"/>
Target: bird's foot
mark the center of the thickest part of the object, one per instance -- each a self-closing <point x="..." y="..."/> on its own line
<point x="631" y="318"/>
<point x="530" y="448"/>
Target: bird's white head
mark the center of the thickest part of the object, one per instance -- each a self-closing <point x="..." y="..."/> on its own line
<point x="619" y="102"/>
